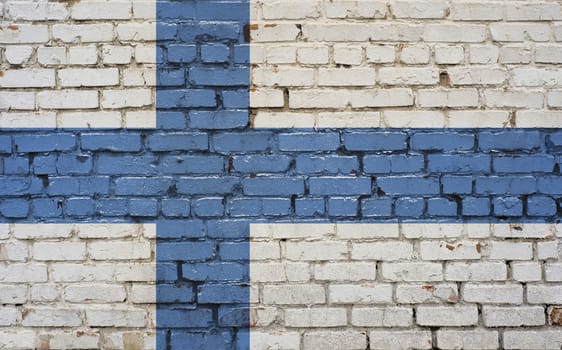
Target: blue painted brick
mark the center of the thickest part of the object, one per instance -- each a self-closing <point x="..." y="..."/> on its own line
<point x="111" y="207"/>
<point x="343" y="206"/>
<point x="207" y="185"/>
<point x="208" y="207"/>
<point x="185" y="251"/>
<point x="74" y="164"/>
<point x="376" y="164"/>
<point x="165" y="272"/>
<point x="524" y="164"/>
<point x="228" y="229"/>
<point x="326" y="165"/>
<point x="176" y="207"/>
<point x="309" y="206"/>
<point x="222" y="294"/>
<point x="509" y="140"/>
<point x="234" y="316"/>
<point x="219" y="77"/>
<point x="181" y="229"/>
<point x="215" y="53"/>
<point x="376" y="207"/>
<point x="222" y="11"/>
<point x="142" y="186"/>
<point x="46" y="207"/>
<point x="229" y="119"/>
<point x="16" y="166"/>
<point x="408" y="185"/>
<point x="239" y="251"/>
<point x="166" y="31"/>
<point x="178" y="142"/>
<point x="273" y="186"/>
<point x="550" y="185"/>
<point x="175" y="10"/>
<point x="456" y="163"/>
<point x="276" y="206"/>
<point x="14" y="208"/>
<point x="241" y="142"/>
<point x="442" y="141"/>
<point x="242" y="54"/>
<point x="198" y="318"/>
<point x="339" y="185"/>
<point x="309" y="142"/>
<point x="506" y="185"/>
<point x="143" y="207"/>
<point x="88" y="185"/>
<point x="375" y="141"/>
<point x="456" y="184"/>
<point x="170" y="77"/>
<point x="409" y="207"/>
<point x="17" y="186"/>
<point x="5" y="144"/>
<point x="209" y="31"/>
<point x="236" y="99"/>
<point x="43" y="165"/>
<point x="473" y="206"/>
<point x="200" y="341"/>
<point x="112" y="164"/>
<point x="186" y="98"/>
<point x="182" y="53"/>
<point x="214" y="272"/>
<point x="441" y="207"/>
<point x="541" y="206"/>
<point x="261" y="164"/>
<point x="240" y="207"/>
<point x="555" y="139"/>
<point x="192" y="164"/>
<point x="395" y="163"/>
<point x="122" y="142"/>
<point x="508" y="206"/>
<point x="175" y="293"/>
<point x="79" y="207"/>
<point x="171" y="121"/>
<point x="44" y="143"/>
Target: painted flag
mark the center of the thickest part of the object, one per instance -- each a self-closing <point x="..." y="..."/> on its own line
<point x="280" y="174"/>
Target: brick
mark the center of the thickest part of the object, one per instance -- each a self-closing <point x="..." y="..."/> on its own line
<point x="427" y="293"/>
<point x="363" y="294"/>
<point x="466" y="339"/>
<point x="400" y="339"/>
<point x="532" y="339"/>
<point x="477" y="271"/>
<point x="493" y="294"/>
<point x="543" y="294"/>
<point x="454" y="316"/>
<point x="349" y="339"/>
<point x="503" y="316"/>
<point x="49" y="317"/>
<point x="381" y="317"/>
<point x="294" y="294"/>
<point x="412" y="272"/>
<point x="317" y="317"/>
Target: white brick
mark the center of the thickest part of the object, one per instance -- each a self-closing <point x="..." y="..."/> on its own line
<point x="309" y="251"/>
<point x="493" y="294"/>
<point x="355" y="271"/>
<point x="484" y="54"/>
<point x="28" y="120"/>
<point x="43" y="231"/>
<point x="273" y="33"/>
<point x="264" y="251"/>
<point x="44" y="293"/>
<point x="453" y="316"/>
<point x="380" y="54"/>
<point x="312" y="55"/>
<point x="280" y="340"/>
<point x="346" y="77"/>
<point x="8" y="316"/>
<point x="13" y="294"/>
<point x="110" y="231"/>
<point x="117" y="54"/>
<point x="382" y="317"/>
<point x="469" y="33"/>
<point x="294" y="294"/>
<point x="350" y="339"/>
<point x="440" y="250"/>
<point x="449" y="54"/>
<point x="88" y="120"/>
<point x="413" y="119"/>
<point x="538" y="119"/>
<point x="536" y="77"/>
<point x="547" y="250"/>
<point x="477" y="11"/>
<point x="67" y="99"/>
<point x="427" y="293"/>
<point x="279" y="272"/>
<point x="23" y="34"/>
<point x="144" y="9"/>
<point x="51" y="55"/>
<point x="552" y="272"/>
<point x="136" y="272"/>
<point x="416" y="54"/>
<point x="516" y="32"/>
<point x="50" y="317"/>
<point x="419" y="9"/>
<point x="515" y="54"/>
<point x="387" y="251"/>
<point x="467" y="339"/>
<point x="514" y="99"/>
<point x="526" y="272"/>
<point x="400" y="340"/>
<point x="482" y="119"/>
<point x="59" y="251"/>
<point x="348" y="120"/>
<point x="448" y="98"/>
<point x="116" y="317"/>
<point x="266" y="98"/>
<point x="300" y="77"/>
<point x="82" y="55"/>
<point x="27" y="78"/>
<point x="14" y="251"/>
<point x="72" y="340"/>
<point x="511" y="250"/>
<point x="140" y="120"/>
<point x="424" y="231"/>
<point x="97" y="293"/>
<point x="84" y="33"/>
<point x="126" y="98"/>
<point x="409" y="76"/>
<point x="36" y="11"/>
<point x="355" y="9"/>
<point x="145" y="31"/>
<point x="17" y="339"/>
<point x="119" y="250"/>
<point x="82" y="273"/>
<point x="532" y="11"/>
<point x="397" y="97"/>
<point x="362" y="32"/>
<point x="525" y="230"/>
<point x="316" y="317"/>
<point x="139" y="77"/>
<point x="283" y="9"/>
<point x="18" y="54"/>
<point x="477" y="76"/>
<point x="476" y="271"/>
<point x="318" y="98"/>
<point x="555" y="98"/>
<point x="348" y="54"/>
<point x="498" y="316"/>
<point x="17" y="100"/>
<point x="287" y="230"/>
<point x="281" y="54"/>
<point x="143" y="294"/>
<point x="412" y="272"/>
<point x="369" y="231"/>
<point x="360" y="294"/>
<point x="78" y="77"/>
<point x="101" y="10"/>
<point x="530" y="339"/>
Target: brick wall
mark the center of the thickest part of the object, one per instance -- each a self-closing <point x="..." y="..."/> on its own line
<point x="362" y="175"/>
